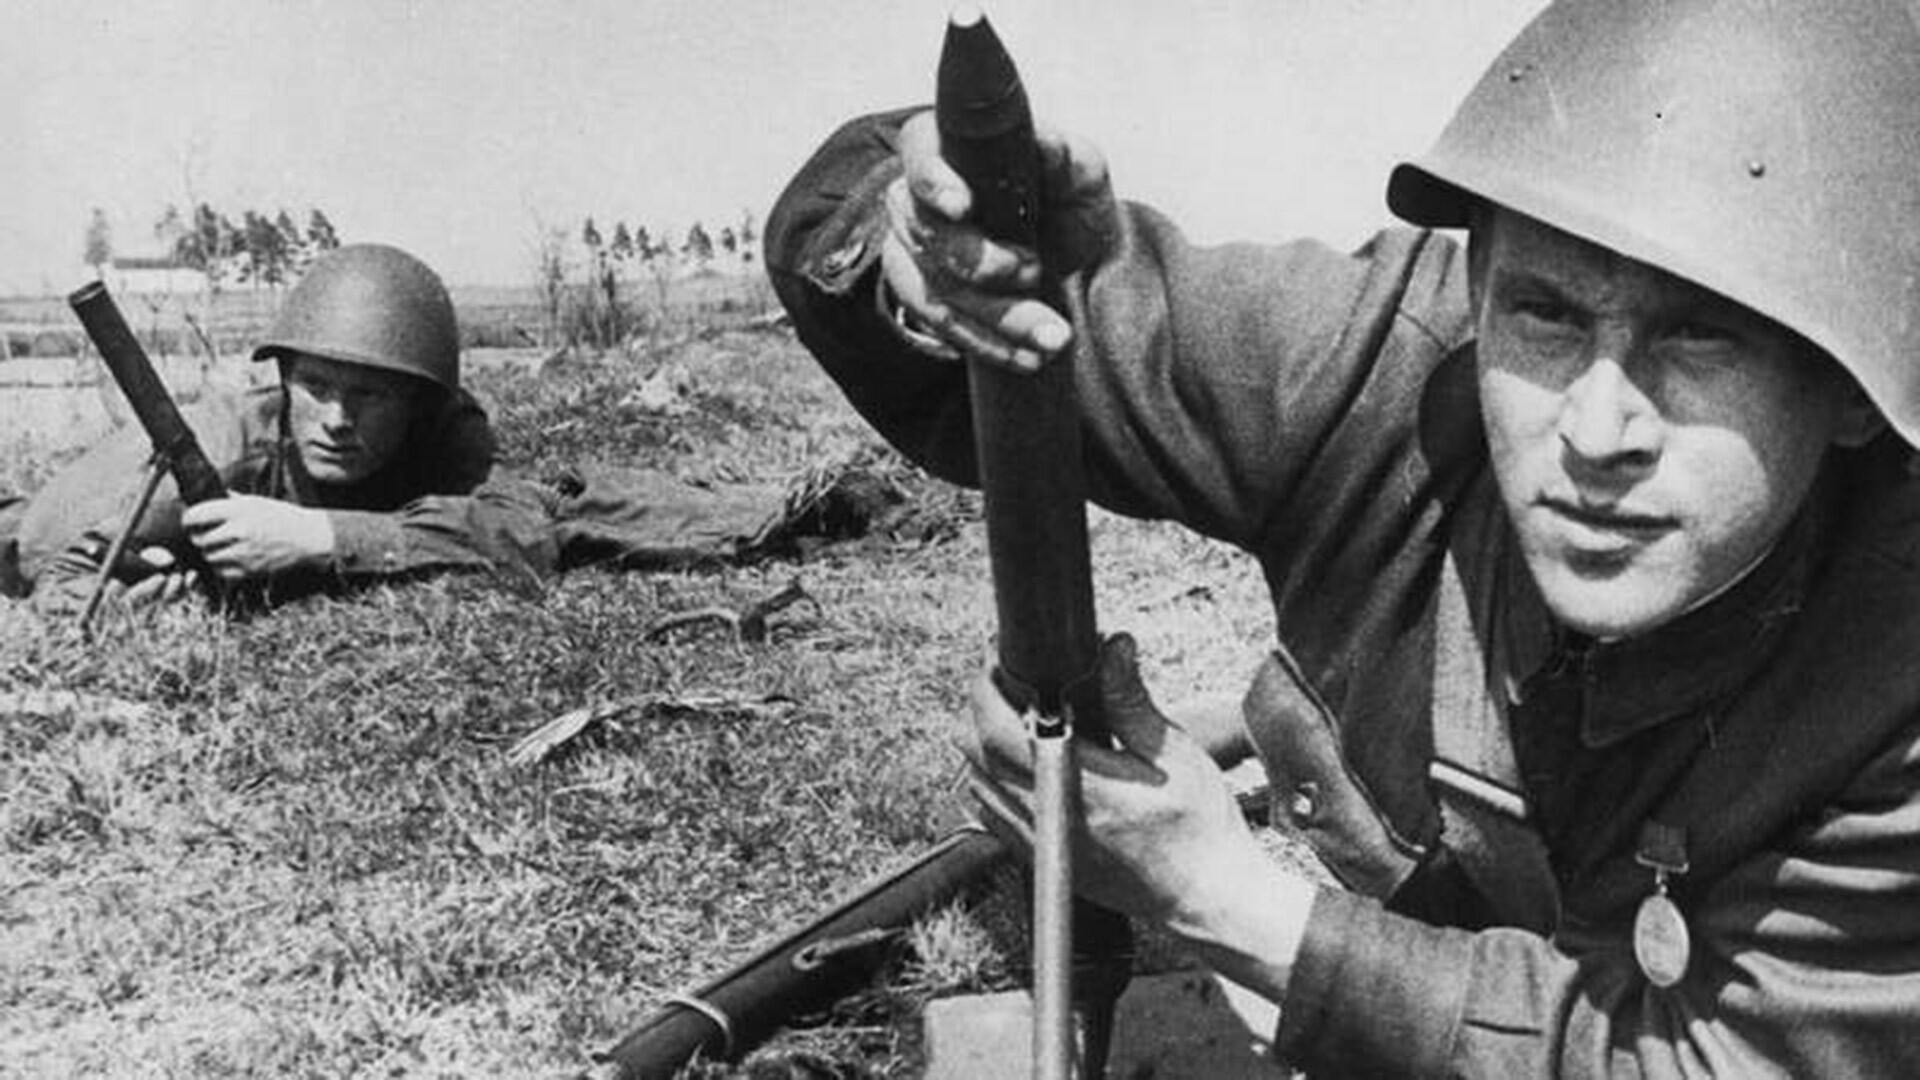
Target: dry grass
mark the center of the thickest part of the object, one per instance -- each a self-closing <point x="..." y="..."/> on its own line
<point x="294" y="845"/>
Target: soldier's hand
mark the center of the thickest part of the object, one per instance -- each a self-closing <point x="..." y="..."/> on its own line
<point x="165" y="583"/>
<point x="977" y="297"/>
<point x="247" y="536"/>
<point x="1163" y="836"/>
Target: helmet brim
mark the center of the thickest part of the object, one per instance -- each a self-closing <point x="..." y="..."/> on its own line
<point x="1418" y="197"/>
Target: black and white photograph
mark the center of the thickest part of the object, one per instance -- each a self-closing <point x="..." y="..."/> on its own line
<point x="1246" y="540"/>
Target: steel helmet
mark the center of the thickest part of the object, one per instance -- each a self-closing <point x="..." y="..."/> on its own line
<point x="1768" y="150"/>
<point x="374" y="305"/>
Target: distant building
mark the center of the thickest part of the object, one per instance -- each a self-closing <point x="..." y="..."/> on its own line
<point x="153" y="275"/>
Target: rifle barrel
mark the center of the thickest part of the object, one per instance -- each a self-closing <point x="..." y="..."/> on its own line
<point x="804" y="970"/>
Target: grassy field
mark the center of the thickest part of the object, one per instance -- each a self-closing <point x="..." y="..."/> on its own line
<point x="295" y="845"/>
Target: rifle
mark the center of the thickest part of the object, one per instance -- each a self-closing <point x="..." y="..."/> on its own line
<point x="808" y="969"/>
<point x="1027" y="439"/>
<point x="175" y="450"/>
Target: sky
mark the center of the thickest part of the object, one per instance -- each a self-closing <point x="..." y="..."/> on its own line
<point x="463" y="130"/>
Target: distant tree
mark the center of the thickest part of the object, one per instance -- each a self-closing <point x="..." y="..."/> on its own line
<point x="170" y="228"/>
<point x="320" y="234"/>
<point x="99" y="242"/>
<point x="748" y="237"/>
<point x="268" y="259"/>
<point x="550" y="282"/>
<point x="252" y="265"/>
<point x="729" y="242"/>
<point x="211" y="244"/>
<point x="698" y="245"/>
<point x="294" y="247"/>
<point x="208" y="242"/>
<point x="596" y="298"/>
<point x="612" y="270"/>
<point x="657" y="257"/>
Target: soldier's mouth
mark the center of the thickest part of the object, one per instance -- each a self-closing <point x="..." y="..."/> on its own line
<point x="332" y="451"/>
<point x="1595" y="526"/>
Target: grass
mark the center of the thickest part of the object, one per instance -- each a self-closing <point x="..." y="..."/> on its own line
<point x="295" y="845"/>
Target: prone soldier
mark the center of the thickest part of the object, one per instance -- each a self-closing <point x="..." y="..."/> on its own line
<point x="1591" y="543"/>
<point x="366" y="461"/>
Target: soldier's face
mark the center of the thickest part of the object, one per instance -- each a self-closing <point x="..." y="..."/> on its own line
<point x="348" y="421"/>
<point x="1651" y="439"/>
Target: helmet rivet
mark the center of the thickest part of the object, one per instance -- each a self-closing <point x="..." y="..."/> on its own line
<point x="1516" y="74"/>
<point x="1756" y="169"/>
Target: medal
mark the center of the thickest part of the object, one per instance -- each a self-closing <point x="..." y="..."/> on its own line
<point x="1661" y="943"/>
<point x="1660" y="940"/>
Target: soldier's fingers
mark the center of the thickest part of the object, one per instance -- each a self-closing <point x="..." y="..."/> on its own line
<point x="1074" y="167"/>
<point x="916" y="312"/>
<point x="1017" y="333"/>
<point x="207" y="515"/>
<point x="160" y="589"/>
<point x="179" y="586"/>
<point x="948" y="320"/>
<point x="957" y="251"/>
<point x="146" y="592"/>
<point x="931" y="180"/>
<point x="1005" y="745"/>
<point x="223" y="553"/>
<point x="211" y="539"/>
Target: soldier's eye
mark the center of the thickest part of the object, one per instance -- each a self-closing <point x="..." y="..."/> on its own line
<point x="1545" y="311"/>
<point x="1700" y="332"/>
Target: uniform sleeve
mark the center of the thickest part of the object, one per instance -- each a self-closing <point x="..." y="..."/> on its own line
<point x="822" y="245"/>
<point x="505" y="524"/>
<point x="1804" y="963"/>
<point x="1209" y="378"/>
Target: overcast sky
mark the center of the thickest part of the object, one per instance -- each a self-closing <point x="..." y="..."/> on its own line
<point x="458" y="129"/>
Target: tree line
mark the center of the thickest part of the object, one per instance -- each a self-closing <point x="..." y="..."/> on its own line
<point x="257" y="248"/>
<point x="585" y="300"/>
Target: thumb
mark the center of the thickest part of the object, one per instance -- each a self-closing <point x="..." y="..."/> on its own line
<point x="932" y="180"/>
<point x="1131" y="714"/>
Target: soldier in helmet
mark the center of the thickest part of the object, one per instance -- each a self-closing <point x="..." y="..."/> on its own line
<point x="1591" y="542"/>
<point x="363" y="460"/>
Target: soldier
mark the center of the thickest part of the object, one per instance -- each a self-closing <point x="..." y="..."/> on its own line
<point x="362" y="461"/>
<point x="368" y="461"/>
<point x="365" y="462"/>
<point x="1591" y="543"/>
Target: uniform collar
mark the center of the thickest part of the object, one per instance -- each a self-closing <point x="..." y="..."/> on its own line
<point x="1686" y="666"/>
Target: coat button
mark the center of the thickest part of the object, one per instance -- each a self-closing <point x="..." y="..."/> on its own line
<point x="1304" y="803"/>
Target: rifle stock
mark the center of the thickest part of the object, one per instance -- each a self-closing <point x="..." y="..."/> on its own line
<point x="1027" y="439"/>
<point x="807" y="970"/>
